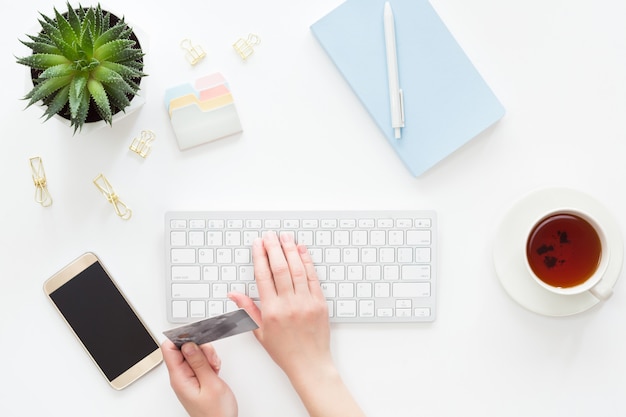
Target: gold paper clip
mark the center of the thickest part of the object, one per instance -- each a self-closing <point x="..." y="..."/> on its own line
<point x="194" y="54"/>
<point x="142" y="145"/>
<point x="105" y="187"/>
<point x="245" y="47"/>
<point x="42" y="195"/>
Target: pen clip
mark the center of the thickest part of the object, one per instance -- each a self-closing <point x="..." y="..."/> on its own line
<point x="401" y="94"/>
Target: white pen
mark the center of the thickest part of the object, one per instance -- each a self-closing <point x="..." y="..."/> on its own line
<point x="395" y="92"/>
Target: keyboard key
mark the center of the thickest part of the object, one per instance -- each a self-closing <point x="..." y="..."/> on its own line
<point x="329" y="289"/>
<point x="422" y="255"/>
<point x="373" y="273"/>
<point x="346" y="290"/>
<point x="418" y="237"/>
<point x="186" y="273"/>
<point x="391" y="272"/>
<point x="341" y="238"/>
<point x="197" y="224"/>
<point x="232" y="238"/>
<point x="215" y="224"/>
<point x="346" y="308"/>
<point x="355" y="273"/>
<point x="229" y="273"/>
<point x="423" y="223"/>
<point x="323" y="238"/>
<point x="234" y="224"/>
<point x="310" y="223"/>
<point x="211" y="273"/>
<point x="337" y="273"/>
<point x="183" y="256"/>
<point x="190" y="290"/>
<point x="197" y="309"/>
<point x="178" y="238"/>
<point x="246" y="273"/>
<point x="396" y="237"/>
<point x="305" y="237"/>
<point x="178" y="224"/>
<point x="384" y="223"/>
<point x="369" y="255"/>
<point x="196" y="238"/>
<point x="347" y="223"/>
<point x="382" y="289"/>
<point x="359" y="238"/>
<point x="366" y="308"/>
<point x="378" y="238"/>
<point x="216" y="308"/>
<point x="272" y="224"/>
<point x="332" y="255"/>
<point x="206" y="256"/>
<point x="328" y="223"/>
<point x="350" y="255"/>
<point x="214" y="238"/>
<point x="220" y="290"/>
<point x="291" y="224"/>
<point x="413" y="289"/>
<point x="242" y="256"/>
<point x="415" y="271"/>
<point x="364" y="290"/>
<point x="179" y="309"/>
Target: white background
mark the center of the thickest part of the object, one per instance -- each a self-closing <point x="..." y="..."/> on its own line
<point x="557" y="66"/>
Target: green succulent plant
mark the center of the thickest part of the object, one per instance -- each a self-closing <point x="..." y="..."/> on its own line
<point x="83" y="59"/>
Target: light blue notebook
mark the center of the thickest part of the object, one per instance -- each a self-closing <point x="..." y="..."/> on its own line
<point x="446" y="101"/>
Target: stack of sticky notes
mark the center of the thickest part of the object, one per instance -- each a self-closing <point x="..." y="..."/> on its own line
<point x="202" y="111"/>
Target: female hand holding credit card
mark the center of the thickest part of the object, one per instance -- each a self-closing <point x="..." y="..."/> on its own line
<point x="293" y="329"/>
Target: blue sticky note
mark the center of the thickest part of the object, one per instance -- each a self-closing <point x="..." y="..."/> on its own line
<point x="446" y="101"/>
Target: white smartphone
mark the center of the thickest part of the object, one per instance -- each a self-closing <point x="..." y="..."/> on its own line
<point x="103" y="320"/>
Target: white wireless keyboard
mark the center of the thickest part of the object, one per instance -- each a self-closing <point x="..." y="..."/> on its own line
<point x="373" y="266"/>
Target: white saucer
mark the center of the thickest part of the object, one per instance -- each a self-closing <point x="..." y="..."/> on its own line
<point x="510" y="250"/>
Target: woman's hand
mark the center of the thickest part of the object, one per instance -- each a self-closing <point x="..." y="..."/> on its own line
<point x="194" y="377"/>
<point x="293" y="324"/>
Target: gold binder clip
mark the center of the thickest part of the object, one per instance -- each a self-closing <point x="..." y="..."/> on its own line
<point x="42" y="195"/>
<point x="105" y="187"/>
<point x="194" y="54"/>
<point x="142" y="145"/>
<point x="245" y="47"/>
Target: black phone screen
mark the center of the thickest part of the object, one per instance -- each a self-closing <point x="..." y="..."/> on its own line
<point x="104" y="322"/>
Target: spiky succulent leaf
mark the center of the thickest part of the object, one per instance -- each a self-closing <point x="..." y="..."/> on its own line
<point x="43" y="61"/>
<point x="83" y="60"/>
<point x="61" y="70"/>
<point x="58" y="102"/>
<point x="81" y="112"/>
<point x="77" y="88"/>
<point x="117" y="97"/>
<point x="46" y="87"/>
<point x="67" y="32"/>
<point x="73" y="20"/>
<point x="99" y="95"/>
<point x="114" y="50"/>
<point x="39" y="47"/>
<point x="116" y="32"/>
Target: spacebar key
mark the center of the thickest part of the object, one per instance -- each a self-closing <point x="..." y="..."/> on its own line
<point x="190" y="290"/>
<point x="411" y="289"/>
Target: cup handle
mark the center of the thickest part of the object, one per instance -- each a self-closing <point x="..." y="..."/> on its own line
<point x="602" y="290"/>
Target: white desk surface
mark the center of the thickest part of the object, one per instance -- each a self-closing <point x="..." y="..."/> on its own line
<point x="559" y="68"/>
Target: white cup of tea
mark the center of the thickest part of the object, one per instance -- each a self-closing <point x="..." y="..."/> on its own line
<point x="567" y="253"/>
